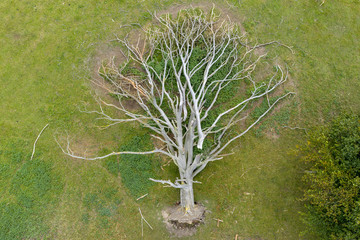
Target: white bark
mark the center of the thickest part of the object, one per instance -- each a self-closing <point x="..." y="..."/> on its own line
<point x="187" y="198"/>
<point x="177" y="117"/>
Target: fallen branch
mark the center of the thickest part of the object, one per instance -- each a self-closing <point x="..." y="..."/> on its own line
<point x="33" y="152"/>
<point x="142" y="225"/>
<point x="141" y="197"/>
<point x="218" y="221"/>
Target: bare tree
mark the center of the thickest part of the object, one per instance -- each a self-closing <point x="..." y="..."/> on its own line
<point x="179" y="91"/>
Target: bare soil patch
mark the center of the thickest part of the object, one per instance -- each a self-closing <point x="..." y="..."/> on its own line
<point x="182" y="224"/>
<point x="260" y="51"/>
<point x="84" y="146"/>
<point x="105" y="54"/>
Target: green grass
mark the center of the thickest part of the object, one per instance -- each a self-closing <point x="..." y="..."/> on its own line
<point x="47" y="51"/>
<point x="28" y="188"/>
<point x="135" y="170"/>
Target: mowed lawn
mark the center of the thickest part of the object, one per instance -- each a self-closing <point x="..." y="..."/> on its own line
<point x="48" y="54"/>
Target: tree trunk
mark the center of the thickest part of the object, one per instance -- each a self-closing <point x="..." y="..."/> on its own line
<point x="187" y="198"/>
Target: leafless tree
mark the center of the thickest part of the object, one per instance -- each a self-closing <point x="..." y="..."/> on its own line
<point x="179" y="111"/>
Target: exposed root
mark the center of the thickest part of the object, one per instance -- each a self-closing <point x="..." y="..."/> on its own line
<point x="182" y="224"/>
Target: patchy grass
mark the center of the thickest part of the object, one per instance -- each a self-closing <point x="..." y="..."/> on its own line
<point x="135" y="170"/>
<point x="29" y="189"/>
<point x="46" y="57"/>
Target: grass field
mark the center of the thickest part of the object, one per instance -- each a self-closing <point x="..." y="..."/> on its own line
<point x="47" y="55"/>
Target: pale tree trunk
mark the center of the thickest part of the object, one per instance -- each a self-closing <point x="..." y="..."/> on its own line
<point x="187" y="191"/>
<point x="187" y="197"/>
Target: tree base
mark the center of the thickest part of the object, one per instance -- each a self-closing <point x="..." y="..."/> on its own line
<point x="182" y="224"/>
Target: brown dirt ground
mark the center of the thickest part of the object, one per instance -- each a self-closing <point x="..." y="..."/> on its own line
<point x="181" y="224"/>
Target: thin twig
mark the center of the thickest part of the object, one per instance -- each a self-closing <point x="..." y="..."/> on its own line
<point x="132" y="25"/>
<point x="230" y="5"/>
<point x="293" y="128"/>
<point x="142" y="228"/>
<point x="258" y="167"/>
<point x="277" y="42"/>
<point x="141" y="197"/>
<point x="33" y="152"/>
<point x="218" y="221"/>
<point x="210" y="176"/>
